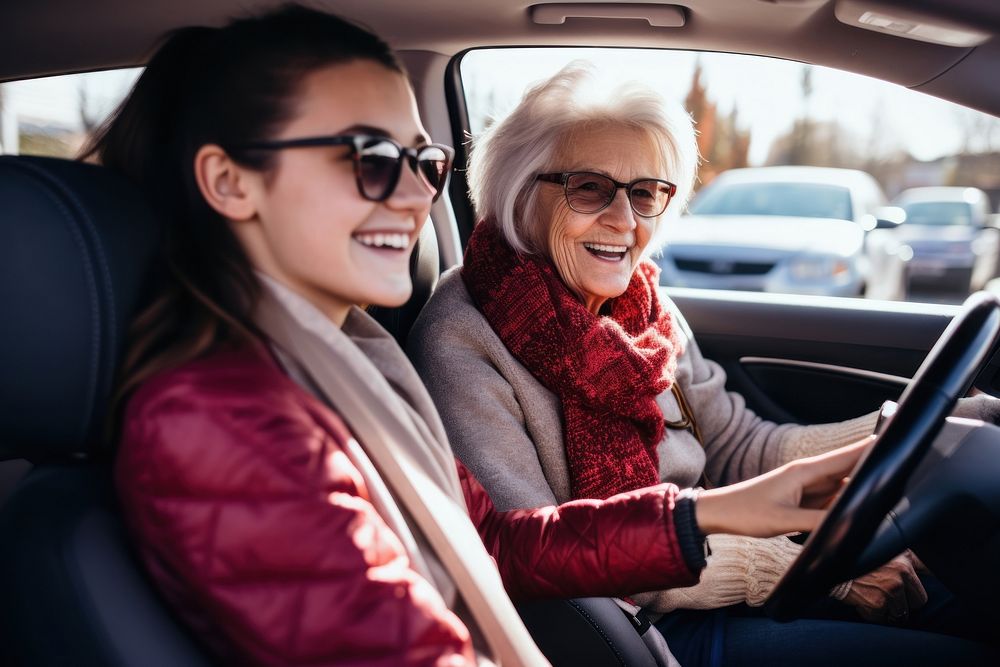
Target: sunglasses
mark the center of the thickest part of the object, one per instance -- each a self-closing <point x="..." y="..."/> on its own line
<point x="378" y="161"/>
<point x="589" y="192"/>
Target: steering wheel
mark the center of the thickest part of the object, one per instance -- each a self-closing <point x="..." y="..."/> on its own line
<point x="833" y="550"/>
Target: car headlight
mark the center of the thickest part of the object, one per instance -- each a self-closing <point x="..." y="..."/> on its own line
<point x="818" y="268"/>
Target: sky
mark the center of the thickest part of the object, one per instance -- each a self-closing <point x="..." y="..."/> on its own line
<point x="766" y="92"/>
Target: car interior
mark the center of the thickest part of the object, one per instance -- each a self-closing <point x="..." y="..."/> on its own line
<point x="76" y="241"/>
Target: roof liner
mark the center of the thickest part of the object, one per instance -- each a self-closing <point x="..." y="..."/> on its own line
<point x="56" y="36"/>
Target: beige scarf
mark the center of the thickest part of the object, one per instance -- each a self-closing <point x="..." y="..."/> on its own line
<point x="362" y="374"/>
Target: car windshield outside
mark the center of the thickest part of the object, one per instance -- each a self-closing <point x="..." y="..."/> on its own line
<point x="938" y="213"/>
<point x="798" y="164"/>
<point x="55" y="115"/>
<point x="805" y="200"/>
<point x="883" y="139"/>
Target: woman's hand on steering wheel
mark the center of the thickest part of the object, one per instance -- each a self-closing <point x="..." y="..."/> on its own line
<point x="788" y="499"/>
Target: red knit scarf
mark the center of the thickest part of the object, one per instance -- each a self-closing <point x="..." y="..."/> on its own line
<point x="606" y="370"/>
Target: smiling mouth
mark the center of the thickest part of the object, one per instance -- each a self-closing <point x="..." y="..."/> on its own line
<point x="606" y="252"/>
<point x="384" y="240"/>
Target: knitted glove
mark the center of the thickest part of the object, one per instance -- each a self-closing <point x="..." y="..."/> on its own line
<point x="740" y="569"/>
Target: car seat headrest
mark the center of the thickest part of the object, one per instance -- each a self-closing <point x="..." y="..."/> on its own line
<point x="425" y="268"/>
<point x="75" y="243"/>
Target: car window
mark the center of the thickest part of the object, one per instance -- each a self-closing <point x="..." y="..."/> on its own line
<point x="55" y="115"/>
<point x="805" y="200"/>
<point x="808" y="143"/>
<point x="938" y="213"/>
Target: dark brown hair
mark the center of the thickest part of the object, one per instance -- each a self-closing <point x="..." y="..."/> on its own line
<point x="222" y="86"/>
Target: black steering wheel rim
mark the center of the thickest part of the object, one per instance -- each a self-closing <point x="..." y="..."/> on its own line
<point x="879" y="480"/>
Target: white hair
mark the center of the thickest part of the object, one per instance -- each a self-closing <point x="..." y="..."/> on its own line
<point x="507" y="156"/>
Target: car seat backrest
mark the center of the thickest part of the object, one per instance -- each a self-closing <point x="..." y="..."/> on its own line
<point x="75" y="243"/>
<point x="425" y="268"/>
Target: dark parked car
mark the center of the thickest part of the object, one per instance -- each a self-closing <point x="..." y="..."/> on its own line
<point x="948" y="229"/>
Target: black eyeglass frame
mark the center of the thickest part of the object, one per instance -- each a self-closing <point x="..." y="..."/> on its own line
<point x="357" y="143"/>
<point x="562" y="178"/>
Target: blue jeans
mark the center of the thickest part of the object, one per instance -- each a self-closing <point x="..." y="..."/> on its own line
<point x="941" y="633"/>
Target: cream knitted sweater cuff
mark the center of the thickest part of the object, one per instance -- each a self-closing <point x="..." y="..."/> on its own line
<point x="811" y="440"/>
<point x="740" y="569"/>
<point x="804" y="441"/>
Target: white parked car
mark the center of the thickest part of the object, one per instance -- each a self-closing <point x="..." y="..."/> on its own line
<point x="780" y="229"/>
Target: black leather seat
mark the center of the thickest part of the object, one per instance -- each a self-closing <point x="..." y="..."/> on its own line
<point x="425" y="267"/>
<point x="75" y="243"/>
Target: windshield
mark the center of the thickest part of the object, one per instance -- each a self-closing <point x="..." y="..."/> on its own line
<point x="807" y="200"/>
<point x="938" y="213"/>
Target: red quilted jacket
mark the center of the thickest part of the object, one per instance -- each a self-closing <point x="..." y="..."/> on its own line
<point x="259" y="532"/>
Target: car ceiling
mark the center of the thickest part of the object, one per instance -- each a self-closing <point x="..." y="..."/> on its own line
<point x="58" y="36"/>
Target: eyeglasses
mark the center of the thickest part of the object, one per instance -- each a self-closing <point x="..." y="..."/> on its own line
<point x="378" y="161"/>
<point x="589" y="192"/>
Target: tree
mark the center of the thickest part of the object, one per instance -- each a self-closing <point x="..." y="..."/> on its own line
<point x="721" y="142"/>
<point x="739" y="141"/>
<point x="702" y="112"/>
<point x="799" y="152"/>
<point x="818" y="144"/>
<point x="89" y="118"/>
<point x="980" y="132"/>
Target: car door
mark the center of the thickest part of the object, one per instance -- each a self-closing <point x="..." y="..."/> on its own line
<point x="808" y="359"/>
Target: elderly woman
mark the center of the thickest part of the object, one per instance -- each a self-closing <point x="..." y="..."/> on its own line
<point x="561" y="373"/>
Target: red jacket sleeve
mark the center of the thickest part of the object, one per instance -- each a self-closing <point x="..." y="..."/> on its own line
<point x="623" y="545"/>
<point x="258" y="529"/>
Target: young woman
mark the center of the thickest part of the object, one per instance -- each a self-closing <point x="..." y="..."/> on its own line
<point x="286" y="478"/>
